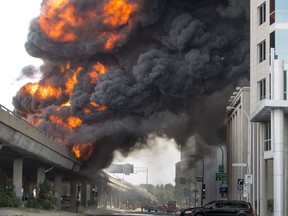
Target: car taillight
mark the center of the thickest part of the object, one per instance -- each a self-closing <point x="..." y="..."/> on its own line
<point x="252" y="209"/>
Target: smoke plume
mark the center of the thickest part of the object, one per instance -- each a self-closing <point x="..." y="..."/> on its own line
<point x="117" y="71"/>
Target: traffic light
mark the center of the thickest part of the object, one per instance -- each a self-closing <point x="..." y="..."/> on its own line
<point x="182" y="180"/>
<point x="79" y="188"/>
<point x="93" y="190"/>
<point x="127" y="169"/>
<point x="203" y="191"/>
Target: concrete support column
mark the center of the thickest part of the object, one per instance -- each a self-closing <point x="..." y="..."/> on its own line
<point x="277" y="125"/>
<point x="18" y="176"/>
<point x="88" y="194"/>
<point x="263" y="174"/>
<point x="84" y="193"/>
<point x="100" y="197"/>
<point x="278" y="77"/>
<point x="25" y="184"/>
<point x="58" y="189"/>
<point x="40" y="175"/>
<point x="93" y="198"/>
<point x="103" y="192"/>
<point x="73" y="193"/>
<point x="278" y="148"/>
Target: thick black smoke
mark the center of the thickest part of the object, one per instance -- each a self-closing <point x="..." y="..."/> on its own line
<point x="169" y="74"/>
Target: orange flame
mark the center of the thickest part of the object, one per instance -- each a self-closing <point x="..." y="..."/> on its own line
<point x="43" y="92"/>
<point x="100" y="108"/>
<point x="97" y="69"/>
<point x="74" y="122"/>
<point x="110" y="43"/>
<point x="72" y="81"/>
<point x="34" y="120"/>
<point x="55" y="29"/>
<point x="60" y="21"/>
<point x="93" y="107"/>
<point x="57" y="119"/>
<point x="118" y="12"/>
<point x="83" y="151"/>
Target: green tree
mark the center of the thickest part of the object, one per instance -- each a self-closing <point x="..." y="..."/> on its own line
<point x="7" y="193"/>
<point x="46" y="195"/>
<point x="162" y="192"/>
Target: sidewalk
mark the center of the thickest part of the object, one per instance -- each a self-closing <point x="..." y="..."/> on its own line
<point x="36" y="212"/>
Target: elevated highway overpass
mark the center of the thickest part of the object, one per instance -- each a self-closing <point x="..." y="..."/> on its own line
<point x="28" y="155"/>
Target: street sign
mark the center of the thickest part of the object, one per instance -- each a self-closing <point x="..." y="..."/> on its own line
<point x="221" y="168"/>
<point x="223" y="190"/>
<point x="224" y="176"/>
<point x="248" y="179"/>
<point x="240" y="183"/>
<point x="246" y="190"/>
<point x="221" y="177"/>
<point x="218" y="176"/>
<point x="239" y="164"/>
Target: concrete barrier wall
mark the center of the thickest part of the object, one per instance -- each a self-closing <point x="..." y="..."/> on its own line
<point x="19" y="133"/>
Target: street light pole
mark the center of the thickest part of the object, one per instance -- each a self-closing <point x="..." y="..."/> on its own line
<point x="222" y="154"/>
<point x="222" y="163"/>
<point x="202" y="176"/>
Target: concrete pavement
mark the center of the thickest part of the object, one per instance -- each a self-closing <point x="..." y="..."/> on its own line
<point x="36" y="212"/>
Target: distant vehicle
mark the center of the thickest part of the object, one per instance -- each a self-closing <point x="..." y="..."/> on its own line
<point x="65" y="202"/>
<point x="152" y="208"/>
<point x="171" y="206"/>
<point x="221" y="207"/>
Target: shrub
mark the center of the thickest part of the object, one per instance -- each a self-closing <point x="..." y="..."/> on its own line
<point x="270" y="205"/>
<point x="46" y="195"/>
<point x="7" y="194"/>
<point x="32" y="203"/>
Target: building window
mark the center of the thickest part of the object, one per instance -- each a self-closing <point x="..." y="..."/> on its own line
<point x="278" y="11"/>
<point x="262" y="89"/>
<point x="272" y="39"/>
<point x="272" y="12"/>
<point x="262" y="51"/>
<point x="285" y="85"/>
<point x="262" y="13"/>
<point x="267" y="136"/>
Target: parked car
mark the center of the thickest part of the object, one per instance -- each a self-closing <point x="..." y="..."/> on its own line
<point x="221" y="207"/>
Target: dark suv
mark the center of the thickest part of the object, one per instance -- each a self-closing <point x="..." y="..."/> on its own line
<point x="221" y="207"/>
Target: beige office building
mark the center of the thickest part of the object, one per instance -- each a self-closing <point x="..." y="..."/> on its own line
<point x="265" y="151"/>
<point x="239" y="143"/>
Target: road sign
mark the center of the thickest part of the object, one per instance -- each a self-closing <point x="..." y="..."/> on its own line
<point x="221" y="168"/>
<point x="224" y="176"/>
<point x="239" y="164"/>
<point x="223" y="190"/>
<point x="248" y="179"/>
<point x="218" y="176"/>
<point x="221" y="177"/>
<point x="240" y="183"/>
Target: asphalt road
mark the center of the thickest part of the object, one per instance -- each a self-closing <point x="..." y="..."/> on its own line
<point x="89" y="212"/>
